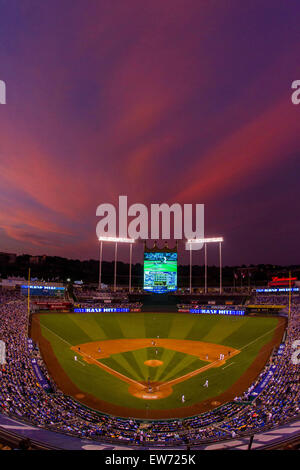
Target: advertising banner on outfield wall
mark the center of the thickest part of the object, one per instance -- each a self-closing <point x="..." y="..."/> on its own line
<point x="36" y="368"/>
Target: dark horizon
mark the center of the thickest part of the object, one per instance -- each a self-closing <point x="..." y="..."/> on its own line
<point x="61" y="269"/>
<point x="125" y="260"/>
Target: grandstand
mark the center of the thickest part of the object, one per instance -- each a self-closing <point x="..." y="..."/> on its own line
<point x="29" y="394"/>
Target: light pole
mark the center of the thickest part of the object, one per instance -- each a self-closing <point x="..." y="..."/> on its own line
<point x="205" y="241"/>
<point x="28" y="303"/>
<point x="130" y="266"/>
<point x="115" y="240"/>
<point x="220" y="253"/>
<point x="190" y="268"/>
<point x="205" y="268"/>
<point x="115" y="268"/>
<point x="100" y="264"/>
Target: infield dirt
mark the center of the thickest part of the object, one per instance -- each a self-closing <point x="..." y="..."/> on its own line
<point x="68" y="387"/>
<point x="92" y="352"/>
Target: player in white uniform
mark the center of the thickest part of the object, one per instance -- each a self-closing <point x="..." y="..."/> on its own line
<point x="183" y="398"/>
<point x="206" y="384"/>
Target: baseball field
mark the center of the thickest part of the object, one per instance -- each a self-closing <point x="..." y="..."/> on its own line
<point x="154" y="365"/>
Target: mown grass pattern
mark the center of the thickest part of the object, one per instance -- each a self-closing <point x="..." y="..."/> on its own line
<point x="72" y="329"/>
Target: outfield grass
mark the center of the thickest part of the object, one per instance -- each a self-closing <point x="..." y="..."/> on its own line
<point x="243" y="333"/>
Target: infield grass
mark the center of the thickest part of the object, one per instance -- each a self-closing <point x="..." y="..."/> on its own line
<point x="247" y="334"/>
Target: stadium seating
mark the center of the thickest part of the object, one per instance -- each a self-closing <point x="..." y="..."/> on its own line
<point x="22" y="397"/>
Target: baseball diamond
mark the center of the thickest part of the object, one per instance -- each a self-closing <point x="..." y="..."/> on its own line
<point x="141" y="364"/>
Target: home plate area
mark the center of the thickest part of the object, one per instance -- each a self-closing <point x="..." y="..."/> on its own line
<point x="105" y="354"/>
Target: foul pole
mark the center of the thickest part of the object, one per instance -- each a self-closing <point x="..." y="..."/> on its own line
<point x="290" y="287"/>
<point x="28" y="302"/>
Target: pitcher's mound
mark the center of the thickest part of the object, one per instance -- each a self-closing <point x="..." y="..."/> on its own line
<point x="153" y="363"/>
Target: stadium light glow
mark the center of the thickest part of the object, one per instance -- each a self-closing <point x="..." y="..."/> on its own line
<point x="116" y="239"/>
<point x="206" y="240"/>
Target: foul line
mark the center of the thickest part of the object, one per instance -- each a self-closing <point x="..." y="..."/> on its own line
<point x="99" y="364"/>
<point x="228" y="365"/>
<point x="62" y="339"/>
<point x="170" y="382"/>
<point x="251" y="342"/>
<point x="185" y="377"/>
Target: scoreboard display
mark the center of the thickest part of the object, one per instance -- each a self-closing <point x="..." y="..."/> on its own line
<point x="160" y="272"/>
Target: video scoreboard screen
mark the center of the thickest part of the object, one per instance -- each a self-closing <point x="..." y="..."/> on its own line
<point x="160" y="272"/>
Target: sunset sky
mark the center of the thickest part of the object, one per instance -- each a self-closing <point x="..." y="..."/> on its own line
<point x="162" y="100"/>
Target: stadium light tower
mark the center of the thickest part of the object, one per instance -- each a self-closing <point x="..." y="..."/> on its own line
<point x="205" y="241"/>
<point x="115" y="240"/>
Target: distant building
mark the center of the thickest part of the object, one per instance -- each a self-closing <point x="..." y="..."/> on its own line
<point x="7" y="258"/>
<point x="37" y="259"/>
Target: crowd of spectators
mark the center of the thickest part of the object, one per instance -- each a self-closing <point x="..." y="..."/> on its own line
<point x="86" y="293"/>
<point x="22" y="396"/>
<point x="131" y="306"/>
<point x="87" y="298"/>
<point x="277" y="299"/>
